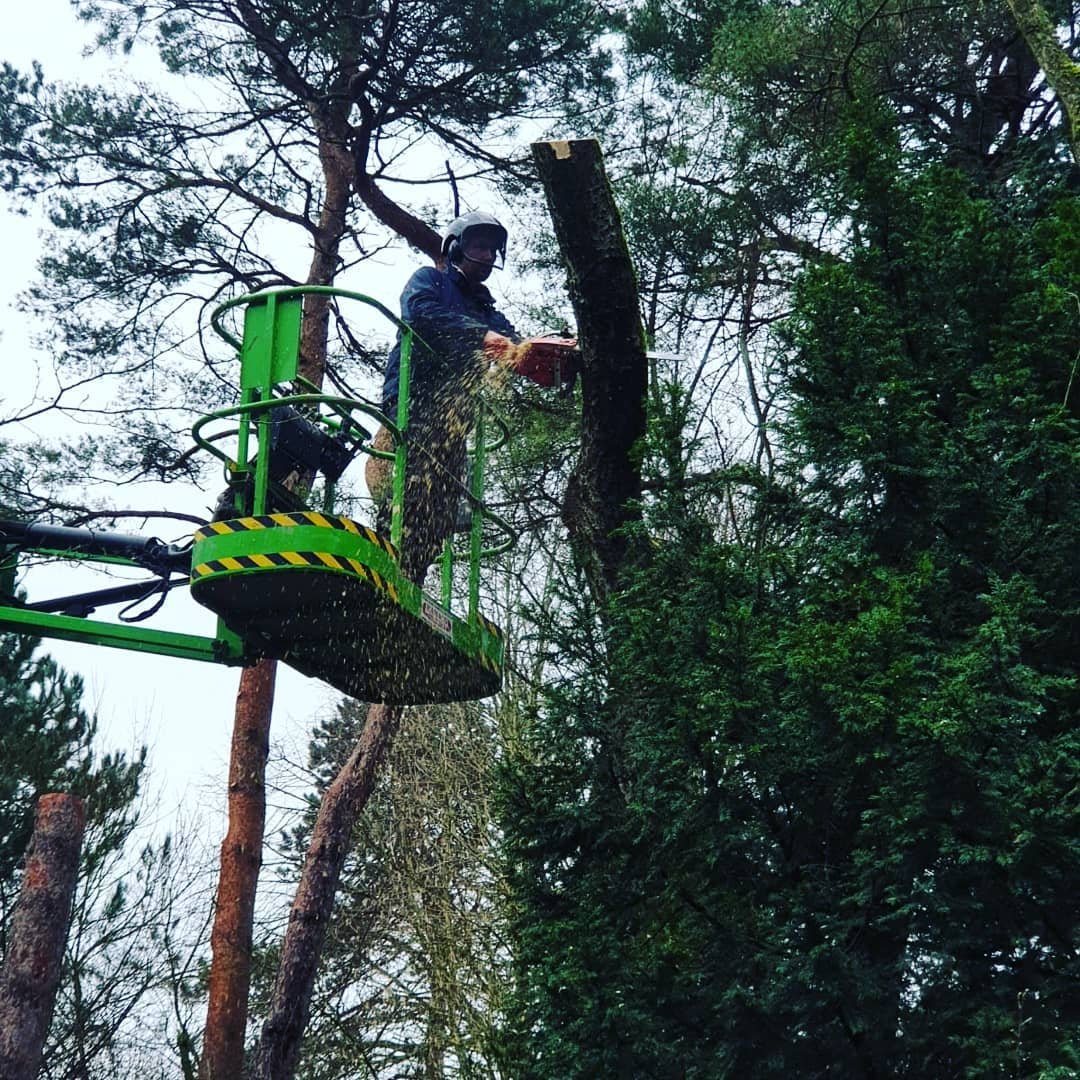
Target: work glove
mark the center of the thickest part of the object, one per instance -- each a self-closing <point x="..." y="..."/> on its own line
<point x="548" y="359"/>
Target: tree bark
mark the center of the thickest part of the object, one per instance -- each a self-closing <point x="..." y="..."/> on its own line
<point x="601" y="497"/>
<point x="278" y="1052"/>
<point x="39" y="927"/>
<point x="241" y="852"/>
<point x="279" y="1047"/>
<point x="241" y="859"/>
<point x="1061" y="71"/>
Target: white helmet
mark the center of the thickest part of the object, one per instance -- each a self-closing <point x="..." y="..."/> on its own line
<point x="454" y="240"/>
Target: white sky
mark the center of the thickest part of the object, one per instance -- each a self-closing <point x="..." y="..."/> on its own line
<point x="182" y="710"/>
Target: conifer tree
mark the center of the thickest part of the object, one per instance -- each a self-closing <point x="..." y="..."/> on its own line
<point x="805" y="807"/>
<point x="312" y="113"/>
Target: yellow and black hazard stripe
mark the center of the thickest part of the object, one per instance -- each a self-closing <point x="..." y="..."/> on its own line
<point x="307" y="517"/>
<point x="322" y="560"/>
<point x="486" y="662"/>
<point x="489" y="626"/>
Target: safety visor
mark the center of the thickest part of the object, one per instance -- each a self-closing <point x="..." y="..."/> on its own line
<point x="491" y="237"/>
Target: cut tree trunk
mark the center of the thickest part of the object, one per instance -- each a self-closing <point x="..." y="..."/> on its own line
<point x="279" y="1049"/>
<point x="604" y="489"/>
<point x="39" y="927"/>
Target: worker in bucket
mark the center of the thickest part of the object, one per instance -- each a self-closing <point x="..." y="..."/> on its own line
<point x="462" y="335"/>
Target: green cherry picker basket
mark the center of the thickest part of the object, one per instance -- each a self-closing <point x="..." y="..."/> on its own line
<point x="317" y="590"/>
<point x="286" y="579"/>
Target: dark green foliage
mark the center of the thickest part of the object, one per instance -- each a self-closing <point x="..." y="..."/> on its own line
<point x="812" y="810"/>
<point x="20" y="94"/>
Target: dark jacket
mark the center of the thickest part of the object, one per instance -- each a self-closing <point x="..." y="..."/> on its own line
<point x="451" y="315"/>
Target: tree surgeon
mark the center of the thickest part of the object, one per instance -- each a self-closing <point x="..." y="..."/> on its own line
<point x="461" y="334"/>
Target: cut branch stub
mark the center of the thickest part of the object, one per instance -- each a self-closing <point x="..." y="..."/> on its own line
<point x="602" y="495"/>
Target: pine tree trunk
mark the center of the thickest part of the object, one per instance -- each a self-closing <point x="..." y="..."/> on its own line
<point x="39" y="926"/>
<point x="223" y="1045"/>
<point x="241" y="852"/>
<point x="279" y="1049"/>
<point x="241" y="859"/>
<point x="601" y="494"/>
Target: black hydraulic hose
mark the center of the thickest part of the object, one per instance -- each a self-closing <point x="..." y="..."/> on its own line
<point x="82" y="604"/>
<point x="149" y="552"/>
<point x="160" y="589"/>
